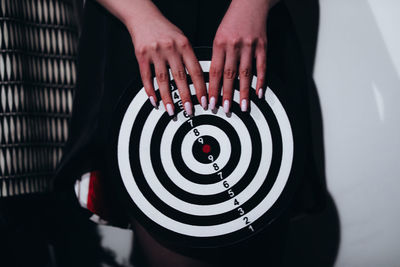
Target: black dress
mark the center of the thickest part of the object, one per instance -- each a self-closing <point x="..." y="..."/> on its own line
<point x="107" y="66"/>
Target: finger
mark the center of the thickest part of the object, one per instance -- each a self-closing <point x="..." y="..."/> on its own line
<point x="230" y="74"/>
<point x="196" y="73"/>
<point x="245" y="76"/>
<point x="261" y="62"/>
<point x="179" y="74"/>
<point x="147" y="80"/>
<point x="216" y="70"/>
<point x="162" y="77"/>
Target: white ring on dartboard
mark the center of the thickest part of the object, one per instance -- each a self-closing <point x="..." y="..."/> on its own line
<point x="187" y="152"/>
<point x="201" y="189"/>
<point x="195" y="230"/>
<point x="234" y="177"/>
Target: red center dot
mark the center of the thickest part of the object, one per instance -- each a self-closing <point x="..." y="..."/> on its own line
<point x="206" y="148"/>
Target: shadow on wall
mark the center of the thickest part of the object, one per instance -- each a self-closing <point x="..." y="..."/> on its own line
<point x="358" y="85"/>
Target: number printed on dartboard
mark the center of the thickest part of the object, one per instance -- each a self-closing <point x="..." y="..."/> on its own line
<point x="204" y="141"/>
<point x="236" y="203"/>
<point x="207" y="179"/>
<point x="177" y="99"/>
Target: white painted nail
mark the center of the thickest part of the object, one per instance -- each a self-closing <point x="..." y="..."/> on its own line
<point x="170" y="110"/>
<point x="226" y="106"/>
<point x="204" y="102"/>
<point x="152" y="101"/>
<point x="212" y="103"/>
<point x="188" y="108"/>
<point x="260" y="93"/>
<point x="244" y="105"/>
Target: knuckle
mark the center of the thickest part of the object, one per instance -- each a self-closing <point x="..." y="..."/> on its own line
<point x="248" y="42"/>
<point x="245" y="73"/>
<point x="154" y="46"/>
<point x="235" y="43"/>
<point x="219" y="43"/>
<point x="215" y="72"/>
<point x="183" y="42"/>
<point x="262" y="43"/>
<point x="141" y="51"/>
<point x="180" y="75"/>
<point x="162" y="77"/>
<point x="168" y="44"/>
<point x="229" y="73"/>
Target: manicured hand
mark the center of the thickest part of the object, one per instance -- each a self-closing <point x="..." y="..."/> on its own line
<point x="160" y="43"/>
<point x="241" y="36"/>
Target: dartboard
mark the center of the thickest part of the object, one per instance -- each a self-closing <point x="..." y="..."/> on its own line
<point x="206" y="180"/>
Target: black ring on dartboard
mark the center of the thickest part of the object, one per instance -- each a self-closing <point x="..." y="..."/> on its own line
<point x="204" y="147"/>
<point x="199" y="199"/>
<point x="178" y="215"/>
<point x="176" y="147"/>
<point x="223" y="196"/>
<point x="174" y="239"/>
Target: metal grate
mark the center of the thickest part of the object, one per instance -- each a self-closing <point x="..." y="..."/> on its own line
<point x="38" y="47"/>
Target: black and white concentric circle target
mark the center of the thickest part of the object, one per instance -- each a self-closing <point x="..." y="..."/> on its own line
<point x="209" y="179"/>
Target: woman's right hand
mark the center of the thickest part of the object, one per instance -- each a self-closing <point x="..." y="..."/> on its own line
<point x="157" y="41"/>
<point x="162" y="44"/>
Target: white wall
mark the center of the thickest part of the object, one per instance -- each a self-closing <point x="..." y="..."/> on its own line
<point x="357" y="73"/>
<point x="358" y="78"/>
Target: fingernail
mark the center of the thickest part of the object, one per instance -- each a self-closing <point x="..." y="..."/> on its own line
<point x="170" y="110"/>
<point x="260" y="93"/>
<point x="244" y="105"/>
<point x="153" y="102"/>
<point x="226" y="106"/>
<point x="212" y="103"/>
<point x="188" y="108"/>
<point x="204" y="102"/>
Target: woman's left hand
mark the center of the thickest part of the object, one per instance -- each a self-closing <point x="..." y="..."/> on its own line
<point x="241" y="36"/>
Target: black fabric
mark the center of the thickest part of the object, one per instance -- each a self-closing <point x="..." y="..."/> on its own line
<point x="107" y="66"/>
<point x="305" y="20"/>
<point x="25" y="223"/>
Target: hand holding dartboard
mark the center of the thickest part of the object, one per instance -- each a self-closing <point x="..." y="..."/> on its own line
<point x="206" y="180"/>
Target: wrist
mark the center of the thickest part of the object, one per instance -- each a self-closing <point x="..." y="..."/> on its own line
<point x="132" y="13"/>
<point x="135" y="17"/>
<point x="261" y="5"/>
